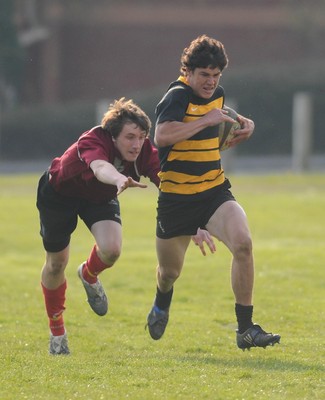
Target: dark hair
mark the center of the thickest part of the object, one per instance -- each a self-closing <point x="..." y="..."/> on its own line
<point x="203" y="52"/>
<point x="122" y="112"/>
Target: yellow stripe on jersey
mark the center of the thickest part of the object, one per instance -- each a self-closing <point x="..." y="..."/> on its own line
<point x="207" y="144"/>
<point x="192" y="156"/>
<point x="195" y="150"/>
<point x="181" y="178"/>
<point x="169" y="185"/>
<point x="195" y="111"/>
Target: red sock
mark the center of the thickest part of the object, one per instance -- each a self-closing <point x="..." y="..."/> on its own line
<point x="93" y="266"/>
<point x="54" y="304"/>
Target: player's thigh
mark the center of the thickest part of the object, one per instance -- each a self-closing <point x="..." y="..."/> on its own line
<point x="108" y="236"/>
<point x="229" y="224"/>
<point x="58" y="216"/>
<point x="171" y="252"/>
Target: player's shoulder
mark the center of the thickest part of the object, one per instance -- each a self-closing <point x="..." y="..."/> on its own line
<point x="177" y="92"/>
<point x="95" y="137"/>
<point x="179" y="87"/>
<point x="96" y="130"/>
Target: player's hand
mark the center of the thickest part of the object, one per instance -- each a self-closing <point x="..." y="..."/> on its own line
<point x="244" y="133"/>
<point x="216" y="116"/>
<point x="203" y="236"/>
<point x="128" y="182"/>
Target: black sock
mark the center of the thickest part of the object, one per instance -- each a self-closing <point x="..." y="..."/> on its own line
<point x="244" y="316"/>
<point x="163" y="300"/>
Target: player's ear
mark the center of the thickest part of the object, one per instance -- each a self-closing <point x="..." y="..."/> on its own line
<point x="186" y="72"/>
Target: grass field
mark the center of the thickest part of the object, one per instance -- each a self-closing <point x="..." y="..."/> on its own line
<point x="113" y="357"/>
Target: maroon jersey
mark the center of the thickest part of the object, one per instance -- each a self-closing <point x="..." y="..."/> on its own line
<point x="71" y="175"/>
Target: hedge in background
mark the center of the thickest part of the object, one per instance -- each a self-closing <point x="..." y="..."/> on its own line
<point x="45" y="131"/>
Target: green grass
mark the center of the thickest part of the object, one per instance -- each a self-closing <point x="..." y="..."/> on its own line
<point x="114" y="358"/>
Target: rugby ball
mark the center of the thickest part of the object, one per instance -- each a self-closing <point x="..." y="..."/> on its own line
<point x="227" y="130"/>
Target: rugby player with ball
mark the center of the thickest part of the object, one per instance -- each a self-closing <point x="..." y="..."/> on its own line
<point x="194" y="192"/>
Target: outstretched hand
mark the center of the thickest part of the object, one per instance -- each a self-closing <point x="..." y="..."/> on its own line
<point x="203" y="236"/>
<point x="128" y="182"/>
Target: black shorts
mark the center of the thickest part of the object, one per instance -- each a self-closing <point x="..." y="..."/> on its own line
<point x="59" y="214"/>
<point x="177" y="218"/>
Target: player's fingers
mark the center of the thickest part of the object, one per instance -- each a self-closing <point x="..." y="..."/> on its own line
<point x="201" y="246"/>
<point x="226" y="116"/>
<point x="119" y="191"/>
<point x="246" y="123"/>
<point x="123" y="186"/>
<point x="132" y="183"/>
<point x="142" y="185"/>
<point x="210" y="244"/>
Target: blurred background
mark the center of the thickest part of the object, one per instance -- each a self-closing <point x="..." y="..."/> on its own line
<point x="62" y="62"/>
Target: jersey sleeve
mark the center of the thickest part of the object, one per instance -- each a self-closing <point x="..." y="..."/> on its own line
<point x="173" y="105"/>
<point x="93" y="146"/>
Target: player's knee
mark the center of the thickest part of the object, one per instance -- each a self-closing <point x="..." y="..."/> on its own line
<point x="169" y="275"/>
<point x="110" y="254"/>
<point x="243" y="247"/>
<point x="56" y="267"/>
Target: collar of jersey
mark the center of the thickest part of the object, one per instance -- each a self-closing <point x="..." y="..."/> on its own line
<point x="183" y="79"/>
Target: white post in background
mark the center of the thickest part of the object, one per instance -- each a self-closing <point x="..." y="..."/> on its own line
<point x="101" y="108"/>
<point x="228" y="156"/>
<point x="301" y="131"/>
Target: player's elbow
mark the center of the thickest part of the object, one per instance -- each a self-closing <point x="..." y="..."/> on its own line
<point x="161" y="142"/>
<point x="162" y="135"/>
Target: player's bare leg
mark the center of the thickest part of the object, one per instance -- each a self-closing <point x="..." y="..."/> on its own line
<point x="171" y="254"/>
<point x="229" y="224"/>
<point x="53" y="270"/>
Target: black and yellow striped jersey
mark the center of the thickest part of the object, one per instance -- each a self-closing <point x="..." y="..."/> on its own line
<point x="190" y="169"/>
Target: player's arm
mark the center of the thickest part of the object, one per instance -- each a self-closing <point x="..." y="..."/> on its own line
<point x="106" y="173"/>
<point x="170" y="132"/>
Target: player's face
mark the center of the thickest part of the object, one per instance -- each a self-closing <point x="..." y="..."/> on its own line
<point x="204" y="81"/>
<point x="130" y="141"/>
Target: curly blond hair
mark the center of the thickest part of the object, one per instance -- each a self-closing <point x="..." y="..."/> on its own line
<point x="123" y="112"/>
